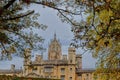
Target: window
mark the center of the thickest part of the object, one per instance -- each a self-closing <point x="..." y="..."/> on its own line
<point x="70" y="61"/>
<point x="73" y="50"/>
<point x="71" y="69"/>
<point x="70" y="78"/>
<point x="34" y="69"/>
<point x="62" y="77"/>
<point x="62" y="70"/>
<point x="48" y="69"/>
<point x="40" y="71"/>
<point x="87" y="76"/>
<point x="54" y="76"/>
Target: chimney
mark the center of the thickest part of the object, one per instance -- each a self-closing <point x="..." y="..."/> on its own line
<point x="38" y="58"/>
<point x="64" y="57"/>
<point x="12" y="67"/>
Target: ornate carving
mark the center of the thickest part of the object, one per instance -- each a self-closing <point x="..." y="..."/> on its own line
<point x="54" y="52"/>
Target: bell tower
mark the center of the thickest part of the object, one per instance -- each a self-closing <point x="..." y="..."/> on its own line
<point x="54" y="50"/>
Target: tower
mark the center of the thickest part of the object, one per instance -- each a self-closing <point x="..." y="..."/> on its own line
<point x="27" y="60"/>
<point x="38" y="58"/>
<point x="54" y="50"/>
<point x="71" y="55"/>
<point x="27" y="56"/>
<point x="79" y="61"/>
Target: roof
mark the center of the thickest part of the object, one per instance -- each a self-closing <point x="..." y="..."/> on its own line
<point x="6" y="71"/>
<point x="78" y="56"/>
<point x="90" y="70"/>
<point x="50" y="62"/>
<point x="55" y="62"/>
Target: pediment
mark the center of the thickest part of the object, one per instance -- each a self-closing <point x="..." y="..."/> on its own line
<point x="32" y="75"/>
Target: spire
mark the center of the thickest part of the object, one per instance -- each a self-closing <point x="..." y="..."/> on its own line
<point x="54" y="36"/>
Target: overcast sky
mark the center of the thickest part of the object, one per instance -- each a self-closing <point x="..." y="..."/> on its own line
<point x="63" y="31"/>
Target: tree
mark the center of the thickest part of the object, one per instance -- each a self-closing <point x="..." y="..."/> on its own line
<point x="99" y="32"/>
<point x="95" y="24"/>
<point x="16" y="28"/>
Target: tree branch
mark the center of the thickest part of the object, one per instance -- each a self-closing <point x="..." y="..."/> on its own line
<point x="6" y="6"/>
<point x="4" y="48"/>
<point x="26" y="39"/>
<point x="16" y="43"/>
<point x="67" y="18"/>
<point x="19" y="16"/>
<point x="9" y="4"/>
<point x="94" y="19"/>
<point x="54" y="7"/>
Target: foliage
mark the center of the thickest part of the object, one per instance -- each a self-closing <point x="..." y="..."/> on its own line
<point x="16" y="28"/>
<point x="107" y="74"/>
<point x="99" y="32"/>
<point x="4" y="77"/>
<point x="95" y="24"/>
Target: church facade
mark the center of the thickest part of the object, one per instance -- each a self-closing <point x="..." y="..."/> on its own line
<point x="58" y="66"/>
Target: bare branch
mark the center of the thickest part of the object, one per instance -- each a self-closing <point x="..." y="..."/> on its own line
<point x="9" y="4"/>
<point x="6" y="6"/>
<point x="4" y="48"/>
<point x="94" y="19"/>
<point x="26" y="39"/>
<point x="59" y="9"/>
<point x="67" y="18"/>
<point x="19" y="16"/>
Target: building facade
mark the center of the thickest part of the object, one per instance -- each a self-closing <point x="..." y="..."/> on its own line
<point x="58" y="66"/>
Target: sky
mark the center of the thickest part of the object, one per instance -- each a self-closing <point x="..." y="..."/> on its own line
<point x="49" y="17"/>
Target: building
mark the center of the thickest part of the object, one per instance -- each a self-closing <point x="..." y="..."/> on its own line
<point x="58" y="66"/>
<point x="12" y="71"/>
